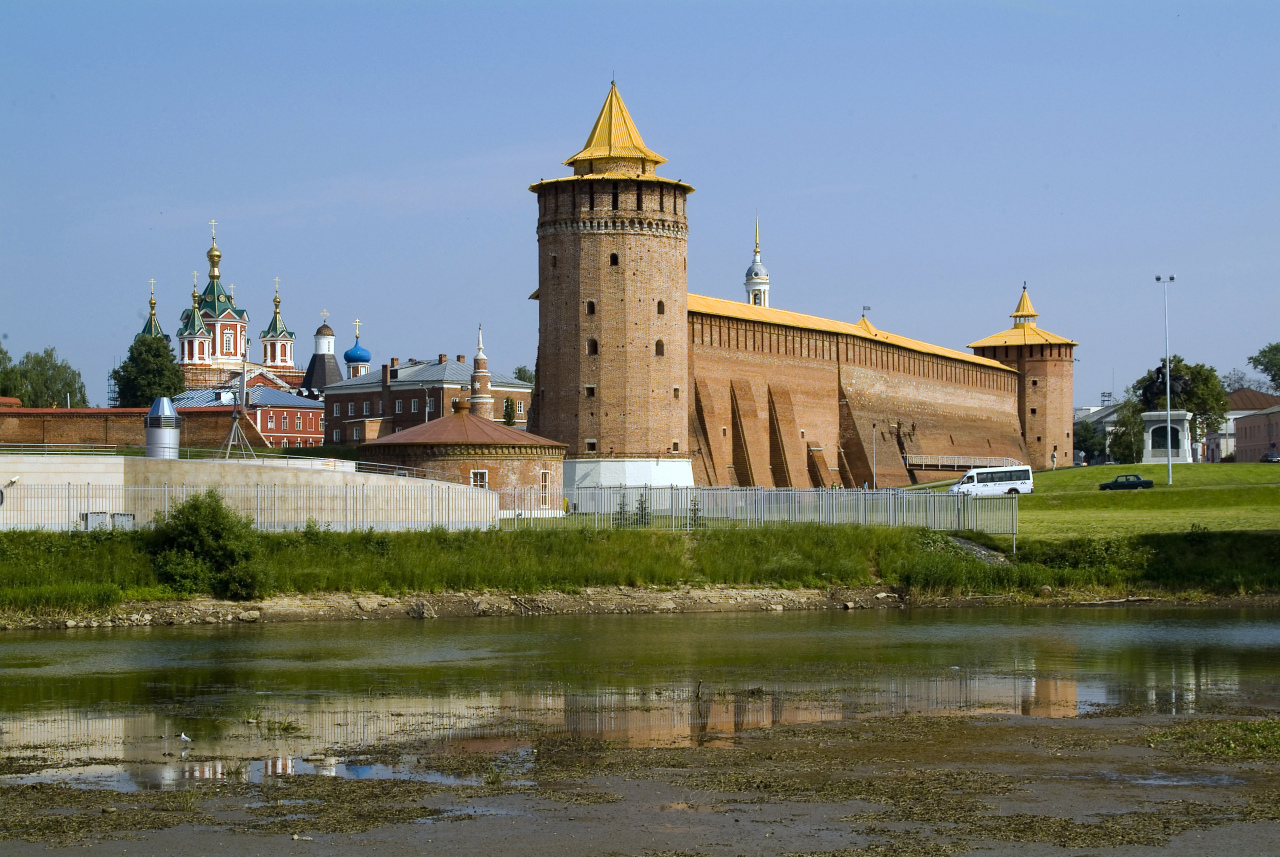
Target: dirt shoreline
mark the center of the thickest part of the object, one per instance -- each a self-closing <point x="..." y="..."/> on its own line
<point x="355" y="606"/>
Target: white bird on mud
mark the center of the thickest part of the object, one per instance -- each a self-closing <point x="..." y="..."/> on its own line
<point x="183" y="737"/>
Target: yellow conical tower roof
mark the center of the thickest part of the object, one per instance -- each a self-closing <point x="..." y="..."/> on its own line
<point x="1024" y="312"/>
<point x="614" y="135"/>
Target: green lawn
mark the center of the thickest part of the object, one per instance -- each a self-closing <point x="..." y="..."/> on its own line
<point x="1067" y="503"/>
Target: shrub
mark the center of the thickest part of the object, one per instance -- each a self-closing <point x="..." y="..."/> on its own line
<point x="202" y="545"/>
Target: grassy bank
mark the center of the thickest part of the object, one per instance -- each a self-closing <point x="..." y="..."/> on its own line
<point x="43" y="572"/>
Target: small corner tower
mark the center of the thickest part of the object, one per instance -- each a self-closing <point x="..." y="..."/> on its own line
<point x="357" y="357"/>
<point x="1045" y="363"/>
<point x="152" y="327"/>
<point x="195" y="340"/>
<point x="613" y="357"/>
<point x="757" y="283"/>
<point x="277" y="340"/>
<point x="481" y="394"/>
<point x="323" y="369"/>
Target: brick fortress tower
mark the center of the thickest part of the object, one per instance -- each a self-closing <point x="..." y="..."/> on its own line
<point x="613" y="363"/>
<point x="1045" y="365"/>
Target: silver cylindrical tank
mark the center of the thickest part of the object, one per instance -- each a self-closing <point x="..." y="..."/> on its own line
<point x="164" y="429"/>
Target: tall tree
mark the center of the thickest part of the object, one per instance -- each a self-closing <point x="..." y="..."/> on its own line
<point x="509" y="411"/>
<point x="1267" y="361"/>
<point x="524" y="373"/>
<point x="148" y="372"/>
<point x="48" y="382"/>
<point x="1128" y="440"/>
<point x="10" y="383"/>
<point x="1088" y="440"/>
<point x="1238" y="379"/>
<point x="1202" y="394"/>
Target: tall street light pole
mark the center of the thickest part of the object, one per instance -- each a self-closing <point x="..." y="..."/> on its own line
<point x="1168" y="378"/>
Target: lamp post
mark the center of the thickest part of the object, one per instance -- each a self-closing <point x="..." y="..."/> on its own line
<point x="873" y="456"/>
<point x="1168" y="377"/>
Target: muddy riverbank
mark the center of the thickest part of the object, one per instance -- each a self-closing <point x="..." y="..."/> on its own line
<point x="343" y="606"/>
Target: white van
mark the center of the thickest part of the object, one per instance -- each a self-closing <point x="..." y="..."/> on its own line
<point x="984" y="481"/>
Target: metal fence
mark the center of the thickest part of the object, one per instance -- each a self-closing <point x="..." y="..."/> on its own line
<point x="272" y="508"/>
<point x="678" y="508"/>
<point x="417" y="506"/>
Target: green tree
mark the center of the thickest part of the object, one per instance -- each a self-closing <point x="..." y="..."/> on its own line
<point x="1204" y="396"/>
<point x="10" y="384"/>
<point x="1238" y="379"/>
<point x="1089" y="440"/>
<point x="524" y="373"/>
<point x="47" y="382"/>
<point x="148" y="372"/>
<point x="1128" y="440"/>
<point x="1267" y="361"/>
<point x="509" y="411"/>
<point x="203" y="545"/>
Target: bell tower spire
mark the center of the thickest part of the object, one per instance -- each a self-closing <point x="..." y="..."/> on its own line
<point x="757" y="282"/>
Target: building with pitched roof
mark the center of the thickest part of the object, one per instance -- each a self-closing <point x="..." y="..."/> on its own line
<point x="369" y="406"/>
<point x="1221" y="444"/>
<point x="648" y="384"/>
<point x="281" y="419"/>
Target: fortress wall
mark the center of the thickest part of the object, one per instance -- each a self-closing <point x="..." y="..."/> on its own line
<point x="759" y="386"/>
<point x="202" y="428"/>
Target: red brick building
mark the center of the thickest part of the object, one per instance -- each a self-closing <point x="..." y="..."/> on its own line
<point x="282" y="419"/>
<point x="371" y="406"/>
<point x="646" y="383"/>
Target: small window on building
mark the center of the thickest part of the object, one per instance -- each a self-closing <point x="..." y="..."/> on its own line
<point x="591" y="307"/>
<point x="226" y="343"/>
<point x="379" y="407"/>
<point x="337" y="409"/>
<point x="553" y="260"/>
<point x="431" y="405"/>
<point x="397" y="429"/>
<point x="355" y="432"/>
<point x="297" y="423"/>
<point x="284" y="444"/>
<point x="613" y="259"/>
<point x="337" y="435"/>
<point x="675" y="446"/>
<point x="591" y="392"/>
<point x="271" y="421"/>
<point x="351" y="409"/>
<point x="546" y="488"/>
<point x="399" y="406"/>
<point x="675" y="392"/>
<point x="1034" y="382"/>
<point x="365" y="407"/>
<point x="659" y="349"/>
<point x="479" y="479"/>
<point x="1037" y="438"/>
<point x="662" y="308"/>
<point x="1033" y="410"/>
<point x="519" y="406"/>
<point x="591" y="445"/>
<point x="413" y="406"/>
<point x="593" y="348"/>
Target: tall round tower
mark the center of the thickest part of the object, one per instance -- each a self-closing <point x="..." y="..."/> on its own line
<point x="613" y="356"/>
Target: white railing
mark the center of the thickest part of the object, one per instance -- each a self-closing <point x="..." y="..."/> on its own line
<point x="420" y="505"/>
<point x="958" y="462"/>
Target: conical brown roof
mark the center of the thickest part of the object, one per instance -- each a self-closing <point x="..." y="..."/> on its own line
<point x="462" y="427"/>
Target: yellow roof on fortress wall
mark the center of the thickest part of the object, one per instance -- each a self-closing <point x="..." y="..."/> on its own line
<point x="1023" y="334"/>
<point x="863" y="329"/>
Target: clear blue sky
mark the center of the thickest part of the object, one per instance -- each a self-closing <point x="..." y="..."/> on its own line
<point x="921" y="158"/>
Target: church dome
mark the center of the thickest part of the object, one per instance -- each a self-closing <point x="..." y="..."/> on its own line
<point x="757" y="271"/>
<point x="324" y="330"/>
<point x="357" y="353"/>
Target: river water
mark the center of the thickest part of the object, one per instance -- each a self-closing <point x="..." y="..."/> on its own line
<point x="155" y="707"/>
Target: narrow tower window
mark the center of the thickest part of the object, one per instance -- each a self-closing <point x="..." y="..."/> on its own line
<point x="591" y="307"/>
<point x="639" y="197"/>
<point x="553" y="260"/>
<point x="662" y="308"/>
<point x="613" y="259"/>
<point x="659" y="349"/>
<point x="615" y="196"/>
<point x="593" y="347"/>
<point x="662" y="198"/>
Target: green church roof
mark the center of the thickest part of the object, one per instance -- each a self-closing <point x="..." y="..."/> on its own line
<point x="277" y="329"/>
<point x="152" y="327"/>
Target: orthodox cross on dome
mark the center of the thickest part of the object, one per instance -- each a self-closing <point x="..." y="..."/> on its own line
<point x="153" y="286"/>
<point x="277" y="287"/>
<point x="195" y="278"/>
<point x="324" y="315"/>
<point x="757" y="232"/>
<point x="213" y="227"/>
<point x="357" y="324"/>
